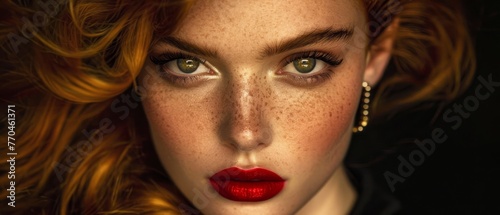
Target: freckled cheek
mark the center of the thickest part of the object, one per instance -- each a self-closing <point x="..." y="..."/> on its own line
<point x="175" y="132"/>
<point x="320" y="131"/>
<point x="328" y="132"/>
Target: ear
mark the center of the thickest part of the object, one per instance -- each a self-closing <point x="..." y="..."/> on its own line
<point x="379" y="54"/>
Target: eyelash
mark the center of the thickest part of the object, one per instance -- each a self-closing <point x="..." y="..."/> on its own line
<point x="327" y="58"/>
<point x="167" y="57"/>
<point x="332" y="61"/>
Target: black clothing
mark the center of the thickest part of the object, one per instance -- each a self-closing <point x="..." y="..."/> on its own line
<point x="371" y="199"/>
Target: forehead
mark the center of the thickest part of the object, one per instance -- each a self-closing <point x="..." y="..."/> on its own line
<point x="256" y="21"/>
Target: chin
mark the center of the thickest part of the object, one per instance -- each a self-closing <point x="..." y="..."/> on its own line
<point x="270" y="206"/>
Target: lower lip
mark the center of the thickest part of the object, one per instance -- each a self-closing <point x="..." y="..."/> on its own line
<point x="251" y="185"/>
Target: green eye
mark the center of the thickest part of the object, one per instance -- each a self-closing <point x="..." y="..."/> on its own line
<point x="187" y="65"/>
<point x="304" y="65"/>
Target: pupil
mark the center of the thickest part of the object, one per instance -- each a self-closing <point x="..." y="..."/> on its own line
<point x="187" y="65"/>
<point x="305" y="65"/>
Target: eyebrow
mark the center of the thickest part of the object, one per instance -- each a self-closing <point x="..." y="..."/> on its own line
<point x="189" y="47"/>
<point x="308" y="38"/>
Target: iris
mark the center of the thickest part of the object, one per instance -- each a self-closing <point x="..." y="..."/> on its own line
<point x="187" y="65"/>
<point x="304" y="65"/>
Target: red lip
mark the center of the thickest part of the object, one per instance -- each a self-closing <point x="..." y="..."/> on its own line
<point x="250" y="185"/>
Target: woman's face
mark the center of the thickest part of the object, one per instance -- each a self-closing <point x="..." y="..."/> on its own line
<point x="256" y="84"/>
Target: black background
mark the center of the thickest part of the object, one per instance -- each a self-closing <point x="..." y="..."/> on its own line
<point x="459" y="177"/>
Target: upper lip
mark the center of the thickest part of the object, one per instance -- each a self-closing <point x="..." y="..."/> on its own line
<point x="247" y="175"/>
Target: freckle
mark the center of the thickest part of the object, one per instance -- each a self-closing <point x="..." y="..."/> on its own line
<point x="330" y="114"/>
<point x="277" y="118"/>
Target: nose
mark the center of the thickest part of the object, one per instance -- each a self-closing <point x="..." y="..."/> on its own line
<point x="245" y="126"/>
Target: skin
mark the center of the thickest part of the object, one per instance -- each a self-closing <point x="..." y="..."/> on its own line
<point x="246" y="112"/>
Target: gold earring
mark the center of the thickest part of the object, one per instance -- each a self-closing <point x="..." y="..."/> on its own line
<point x="365" y="105"/>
